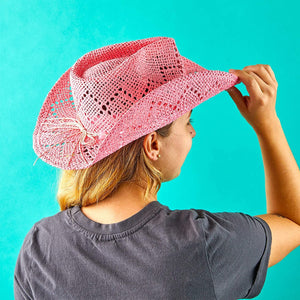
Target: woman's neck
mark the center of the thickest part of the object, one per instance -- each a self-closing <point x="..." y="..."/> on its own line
<point x="125" y="202"/>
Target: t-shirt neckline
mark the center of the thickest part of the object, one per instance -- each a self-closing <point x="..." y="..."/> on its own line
<point x="130" y="224"/>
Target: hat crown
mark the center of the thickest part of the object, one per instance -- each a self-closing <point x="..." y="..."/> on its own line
<point x="102" y="86"/>
<point x="152" y="54"/>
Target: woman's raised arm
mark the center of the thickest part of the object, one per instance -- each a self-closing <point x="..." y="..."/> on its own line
<point x="282" y="176"/>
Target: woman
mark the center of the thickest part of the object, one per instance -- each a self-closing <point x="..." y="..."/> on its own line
<point x="118" y="124"/>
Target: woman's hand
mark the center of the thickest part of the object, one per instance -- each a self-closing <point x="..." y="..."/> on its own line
<point x="259" y="107"/>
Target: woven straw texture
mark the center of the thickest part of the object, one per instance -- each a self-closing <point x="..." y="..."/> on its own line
<point x="113" y="95"/>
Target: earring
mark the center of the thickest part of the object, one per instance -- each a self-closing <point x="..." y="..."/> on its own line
<point x="158" y="155"/>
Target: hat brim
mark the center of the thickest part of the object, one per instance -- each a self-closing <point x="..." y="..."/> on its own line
<point x="163" y="105"/>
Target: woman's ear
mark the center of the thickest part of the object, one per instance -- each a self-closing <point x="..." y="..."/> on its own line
<point x="151" y="145"/>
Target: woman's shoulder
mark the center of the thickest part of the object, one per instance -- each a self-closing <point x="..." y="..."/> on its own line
<point x="47" y="227"/>
<point x="52" y="220"/>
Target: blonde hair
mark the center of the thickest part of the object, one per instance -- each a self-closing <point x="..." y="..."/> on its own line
<point x="99" y="181"/>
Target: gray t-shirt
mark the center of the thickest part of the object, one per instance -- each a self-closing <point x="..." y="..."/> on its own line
<point x="157" y="253"/>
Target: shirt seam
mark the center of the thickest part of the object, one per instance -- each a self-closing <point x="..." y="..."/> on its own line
<point x="207" y="260"/>
<point x="31" y="263"/>
<point x="266" y="228"/>
<point x="112" y="236"/>
<point x="21" y="288"/>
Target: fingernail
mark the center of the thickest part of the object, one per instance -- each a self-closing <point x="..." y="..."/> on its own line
<point x="231" y="70"/>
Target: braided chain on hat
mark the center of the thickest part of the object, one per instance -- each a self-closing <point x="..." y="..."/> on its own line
<point x="73" y="128"/>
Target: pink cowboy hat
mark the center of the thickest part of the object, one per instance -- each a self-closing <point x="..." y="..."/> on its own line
<point x="114" y="95"/>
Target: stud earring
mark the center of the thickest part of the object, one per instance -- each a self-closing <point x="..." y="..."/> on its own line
<point x="158" y="155"/>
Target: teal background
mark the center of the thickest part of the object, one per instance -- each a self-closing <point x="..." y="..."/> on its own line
<point x="40" y="40"/>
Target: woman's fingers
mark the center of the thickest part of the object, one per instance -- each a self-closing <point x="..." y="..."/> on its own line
<point x="264" y="72"/>
<point x="258" y="80"/>
<point x="271" y="73"/>
<point x="259" y="107"/>
<point x="238" y="98"/>
<point x="250" y="82"/>
<point x="262" y="84"/>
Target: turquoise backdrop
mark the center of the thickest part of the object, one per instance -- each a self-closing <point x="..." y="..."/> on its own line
<point x="40" y="40"/>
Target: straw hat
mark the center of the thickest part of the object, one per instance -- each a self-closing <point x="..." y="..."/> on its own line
<point x="114" y="95"/>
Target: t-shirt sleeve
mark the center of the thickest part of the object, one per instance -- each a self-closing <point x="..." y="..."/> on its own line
<point x="238" y="248"/>
<point x="22" y="289"/>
